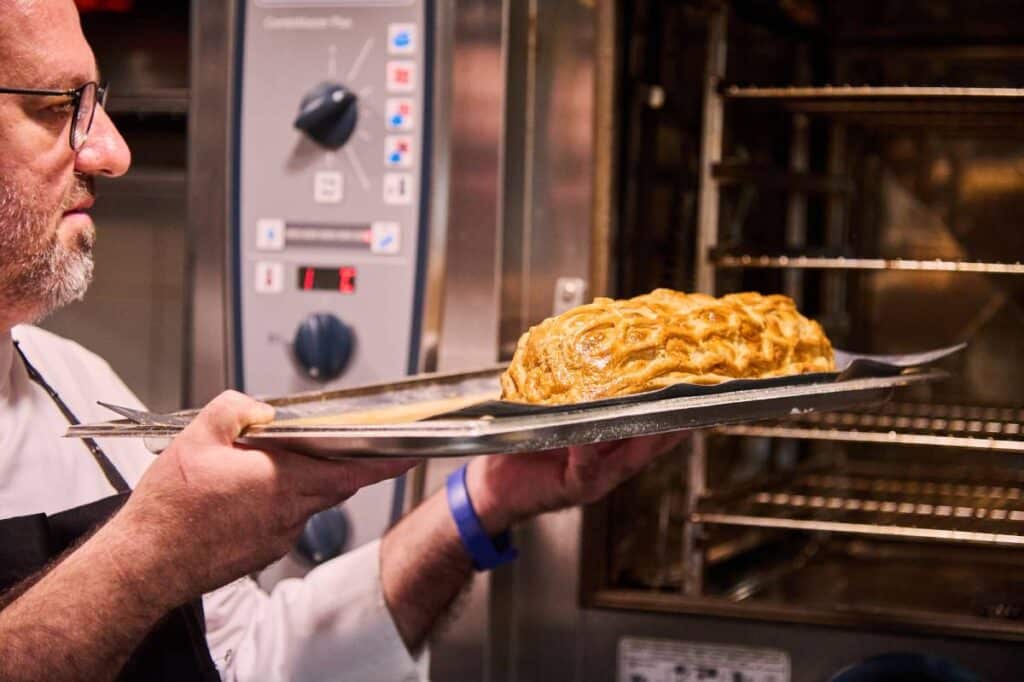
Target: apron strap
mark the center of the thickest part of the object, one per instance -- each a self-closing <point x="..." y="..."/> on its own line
<point x="113" y="476"/>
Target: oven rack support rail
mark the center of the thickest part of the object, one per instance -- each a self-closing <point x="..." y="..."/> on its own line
<point x="954" y="111"/>
<point x="843" y="263"/>
<point x="971" y="427"/>
<point x="861" y="504"/>
<point x="952" y="107"/>
<point x="841" y="97"/>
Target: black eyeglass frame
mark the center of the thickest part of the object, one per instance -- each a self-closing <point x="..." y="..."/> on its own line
<point x="76" y="95"/>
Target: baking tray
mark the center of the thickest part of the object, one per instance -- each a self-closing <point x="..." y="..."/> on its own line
<point x="492" y="426"/>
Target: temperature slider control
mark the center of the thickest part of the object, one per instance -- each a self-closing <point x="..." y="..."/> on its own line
<point x="382" y="237"/>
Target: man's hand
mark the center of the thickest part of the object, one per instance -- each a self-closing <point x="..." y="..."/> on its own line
<point x="212" y="511"/>
<point x="423" y="563"/>
<point x="206" y="512"/>
<point x="506" y="489"/>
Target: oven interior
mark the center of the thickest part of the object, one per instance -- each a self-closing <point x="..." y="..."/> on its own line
<point x="868" y="160"/>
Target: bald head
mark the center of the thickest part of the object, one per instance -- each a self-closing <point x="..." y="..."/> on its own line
<point x="42" y="46"/>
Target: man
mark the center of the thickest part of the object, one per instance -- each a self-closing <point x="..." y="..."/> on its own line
<point x="102" y="584"/>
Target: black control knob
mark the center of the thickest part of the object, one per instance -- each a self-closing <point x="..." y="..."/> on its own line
<point x="324" y="536"/>
<point x="323" y="346"/>
<point x="328" y="114"/>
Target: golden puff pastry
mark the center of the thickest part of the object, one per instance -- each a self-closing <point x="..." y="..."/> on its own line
<point x="616" y="347"/>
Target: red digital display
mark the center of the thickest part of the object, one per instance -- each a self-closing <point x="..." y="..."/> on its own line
<point x="342" y="280"/>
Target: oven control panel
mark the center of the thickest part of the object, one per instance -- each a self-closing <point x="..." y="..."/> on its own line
<point x="331" y="146"/>
<point x="330" y="176"/>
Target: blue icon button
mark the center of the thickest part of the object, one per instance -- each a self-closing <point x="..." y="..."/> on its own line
<point x="402" y="38"/>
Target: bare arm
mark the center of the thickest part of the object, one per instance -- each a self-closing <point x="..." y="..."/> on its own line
<point x="423" y="568"/>
<point x="423" y="564"/>
<point x="206" y="512"/>
<point x="82" y="620"/>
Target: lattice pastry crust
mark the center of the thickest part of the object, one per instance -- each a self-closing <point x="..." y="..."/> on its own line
<point x="616" y="347"/>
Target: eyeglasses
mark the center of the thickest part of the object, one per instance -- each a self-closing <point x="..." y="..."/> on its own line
<point x="84" y="100"/>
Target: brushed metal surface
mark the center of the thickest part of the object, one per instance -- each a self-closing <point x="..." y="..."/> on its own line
<point x="605" y="189"/>
<point x="471" y="49"/>
<point x="472" y="268"/>
<point x="712" y="133"/>
<point x="209" y="161"/>
<point x="548" y="158"/>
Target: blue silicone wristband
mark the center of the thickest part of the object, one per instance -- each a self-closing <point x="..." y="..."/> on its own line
<point x="485" y="551"/>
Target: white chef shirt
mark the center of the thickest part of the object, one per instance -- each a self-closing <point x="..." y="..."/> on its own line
<point x="331" y="625"/>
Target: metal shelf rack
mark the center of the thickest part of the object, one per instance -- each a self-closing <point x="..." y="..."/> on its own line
<point x="840" y="98"/>
<point x="977" y="428"/>
<point x="976" y="108"/>
<point x="813" y="502"/>
<point x="842" y="263"/>
<point x="897" y="505"/>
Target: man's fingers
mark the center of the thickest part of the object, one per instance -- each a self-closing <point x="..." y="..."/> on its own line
<point x="596" y="469"/>
<point x="635" y="454"/>
<point x="640" y="451"/>
<point x="584" y="464"/>
<point x="226" y="416"/>
<point x="335" y="480"/>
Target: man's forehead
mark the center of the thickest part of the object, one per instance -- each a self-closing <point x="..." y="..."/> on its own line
<point x="42" y="46"/>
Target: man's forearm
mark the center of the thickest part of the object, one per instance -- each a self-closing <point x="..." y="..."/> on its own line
<point x="83" y="618"/>
<point x="423" y="569"/>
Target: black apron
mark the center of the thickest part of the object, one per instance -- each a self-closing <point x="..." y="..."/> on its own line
<point x="175" y="649"/>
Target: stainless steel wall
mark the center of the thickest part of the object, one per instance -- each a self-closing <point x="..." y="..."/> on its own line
<point x="548" y="161"/>
<point x="520" y="201"/>
<point x="212" y="84"/>
<point x="466" y="263"/>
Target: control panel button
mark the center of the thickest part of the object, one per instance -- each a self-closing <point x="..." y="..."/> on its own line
<point x="328" y="187"/>
<point x="270" y="233"/>
<point x="398" y="114"/>
<point x="269" y="277"/>
<point x="401" y="76"/>
<point x="323" y="346"/>
<point x="398" y="151"/>
<point x="401" y="38"/>
<point x="385" y="237"/>
<point x="328" y="114"/>
<point x="398" y="188"/>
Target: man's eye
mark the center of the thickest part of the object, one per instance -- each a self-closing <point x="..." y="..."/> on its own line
<point x="62" y="107"/>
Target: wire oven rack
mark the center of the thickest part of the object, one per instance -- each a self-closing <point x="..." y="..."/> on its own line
<point x="961" y="505"/>
<point x="800" y="262"/>
<point x="973" y="427"/>
<point x="979" y="109"/>
<point x="982" y="508"/>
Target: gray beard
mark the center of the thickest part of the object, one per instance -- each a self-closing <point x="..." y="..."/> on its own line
<point x="39" y="274"/>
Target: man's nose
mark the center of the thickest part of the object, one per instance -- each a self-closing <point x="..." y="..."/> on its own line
<point x="105" y="152"/>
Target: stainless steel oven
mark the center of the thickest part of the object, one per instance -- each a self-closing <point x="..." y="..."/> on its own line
<point x="868" y="160"/>
<point x="865" y="158"/>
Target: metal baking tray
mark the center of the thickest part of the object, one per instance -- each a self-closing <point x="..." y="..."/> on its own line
<point x="459" y="417"/>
